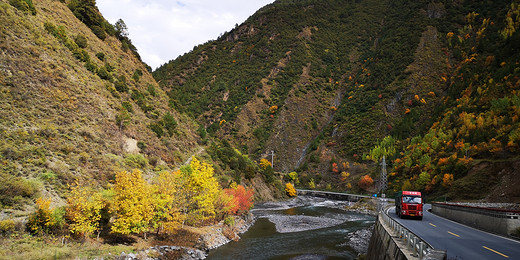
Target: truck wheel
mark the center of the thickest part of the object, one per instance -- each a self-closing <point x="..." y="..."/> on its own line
<point x="420" y="218"/>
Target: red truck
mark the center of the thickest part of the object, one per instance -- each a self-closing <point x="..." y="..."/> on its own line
<point x="409" y="203"/>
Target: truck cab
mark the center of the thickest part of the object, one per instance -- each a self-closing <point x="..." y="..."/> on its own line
<point x="409" y="203"/>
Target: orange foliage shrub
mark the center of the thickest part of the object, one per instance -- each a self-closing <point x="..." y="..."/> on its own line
<point x="459" y="145"/>
<point x="273" y="109"/>
<point x="447" y="180"/>
<point x="242" y="199"/>
<point x="335" y="168"/>
<point x="365" y="182"/>
<point x="442" y="161"/>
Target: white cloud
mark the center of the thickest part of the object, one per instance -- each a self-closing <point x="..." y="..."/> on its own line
<point x="162" y="29"/>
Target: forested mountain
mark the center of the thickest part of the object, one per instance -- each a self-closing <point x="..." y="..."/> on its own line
<point x="331" y="86"/>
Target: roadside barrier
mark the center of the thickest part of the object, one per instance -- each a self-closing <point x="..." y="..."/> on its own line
<point x="499" y="221"/>
<point x="416" y="243"/>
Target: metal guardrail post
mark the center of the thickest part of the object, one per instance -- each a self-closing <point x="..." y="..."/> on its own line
<point x="421" y="249"/>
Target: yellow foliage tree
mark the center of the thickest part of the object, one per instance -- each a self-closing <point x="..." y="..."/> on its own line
<point x="202" y="189"/>
<point x="170" y="201"/>
<point x="41" y="221"/>
<point x="133" y="203"/>
<point x="84" y="206"/>
<point x="264" y="163"/>
<point x="290" y="190"/>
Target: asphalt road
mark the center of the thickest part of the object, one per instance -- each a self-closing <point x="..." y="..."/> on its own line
<point x="461" y="242"/>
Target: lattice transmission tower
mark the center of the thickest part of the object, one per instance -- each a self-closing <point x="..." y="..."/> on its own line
<point x="383" y="181"/>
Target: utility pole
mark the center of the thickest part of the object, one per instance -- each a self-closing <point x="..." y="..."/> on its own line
<point x="383" y="182"/>
<point x="272" y="159"/>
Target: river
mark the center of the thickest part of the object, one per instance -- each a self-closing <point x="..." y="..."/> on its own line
<point x="301" y="228"/>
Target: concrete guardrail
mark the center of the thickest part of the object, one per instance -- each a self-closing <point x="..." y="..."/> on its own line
<point x="498" y="221"/>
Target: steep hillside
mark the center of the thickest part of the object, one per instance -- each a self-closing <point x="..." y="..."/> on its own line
<point x="321" y="83"/>
<point x="76" y="107"/>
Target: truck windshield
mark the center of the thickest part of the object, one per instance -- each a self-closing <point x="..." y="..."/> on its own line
<point x="411" y="199"/>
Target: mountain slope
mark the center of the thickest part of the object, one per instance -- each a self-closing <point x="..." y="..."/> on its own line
<point x="73" y="106"/>
<point x="320" y="83"/>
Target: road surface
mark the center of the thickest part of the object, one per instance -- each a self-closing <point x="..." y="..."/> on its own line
<point x="461" y="242"/>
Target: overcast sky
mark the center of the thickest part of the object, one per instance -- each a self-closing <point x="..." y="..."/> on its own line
<point x="163" y="29"/>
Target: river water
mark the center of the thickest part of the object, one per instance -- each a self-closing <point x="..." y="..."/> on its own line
<point x="301" y="228"/>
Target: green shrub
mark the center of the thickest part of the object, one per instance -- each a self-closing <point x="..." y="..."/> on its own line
<point x="81" y="41"/>
<point x="121" y="85"/>
<point x="7" y="227"/>
<point x="91" y="67"/>
<point x="15" y="189"/>
<point x="23" y="5"/>
<point x="48" y="176"/>
<point x="157" y="129"/>
<point x="136" y="161"/>
<point x="81" y="55"/>
<point x="230" y="221"/>
<point x="112" y="90"/>
<point x="169" y="123"/>
<point x="151" y="90"/>
<point x="128" y="106"/>
<point x="137" y="75"/>
<point x="104" y="74"/>
<point x="141" y="145"/>
<point x="99" y="32"/>
<point x="100" y="56"/>
<point x="516" y="233"/>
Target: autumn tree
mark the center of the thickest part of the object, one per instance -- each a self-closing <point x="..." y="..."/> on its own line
<point x="264" y="164"/>
<point x="267" y="170"/>
<point x="242" y="197"/>
<point x="170" y="201"/>
<point x="44" y="220"/>
<point x="226" y="204"/>
<point x="133" y="203"/>
<point x="84" y="205"/>
<point x="290" y="190"/>
<point x="423" y="180"/>
<point x="202" y="190"/>
<point x="365" y="182"/>
<point x="385" y="148"/>
<point x="447" y="180"/>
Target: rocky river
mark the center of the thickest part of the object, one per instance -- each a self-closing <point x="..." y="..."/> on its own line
<point x="301" y="228"/>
